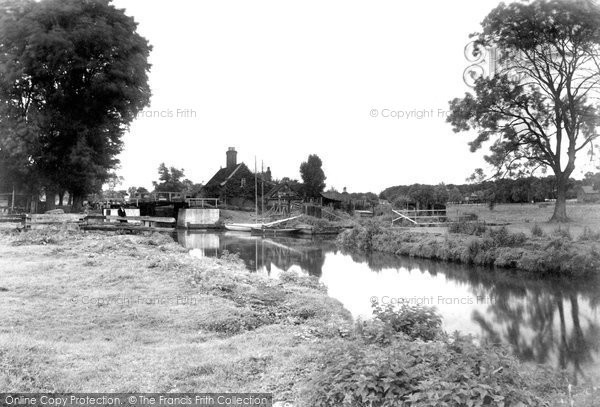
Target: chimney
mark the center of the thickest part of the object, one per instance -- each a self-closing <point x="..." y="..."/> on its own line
<point x="267" y="175"/>
<point x="231" y="157"/>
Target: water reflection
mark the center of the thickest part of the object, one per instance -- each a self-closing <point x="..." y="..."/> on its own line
<point x="554" y="323"/>
<point x="265" y="255"/>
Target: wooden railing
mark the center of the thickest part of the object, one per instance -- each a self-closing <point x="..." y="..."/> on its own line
<point x="202" y="202"/>
<point x="26" y="220"/>
<point x="90" y="222"/>
<point x="421" y="217"/>
<point x="126" y="222"/>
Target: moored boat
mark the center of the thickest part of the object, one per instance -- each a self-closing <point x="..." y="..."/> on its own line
<point x="274" y="231"/>
<point x="247" y="227"/>
<point x="242" y="227"/>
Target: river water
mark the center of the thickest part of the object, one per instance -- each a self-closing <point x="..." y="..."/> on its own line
<point x="555" y="323"/>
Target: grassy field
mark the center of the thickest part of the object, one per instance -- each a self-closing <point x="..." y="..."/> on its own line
<point x="98" y="313"/>
<point x="522" y="217"/>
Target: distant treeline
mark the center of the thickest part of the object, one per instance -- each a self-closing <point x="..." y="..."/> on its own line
<point x="531" y="189"/>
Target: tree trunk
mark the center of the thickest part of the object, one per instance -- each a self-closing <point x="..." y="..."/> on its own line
<point x="560" y="208"/>
<point x="61" y="198"/>
<point x="50" y="198"/>
<point x="77" y="204"/>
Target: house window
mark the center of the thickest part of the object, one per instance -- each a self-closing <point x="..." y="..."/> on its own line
<point x="243" y="183"/>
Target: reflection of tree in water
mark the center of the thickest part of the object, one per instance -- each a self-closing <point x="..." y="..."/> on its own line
<point x="530" y="316"/>
<point x="540" y="320"/>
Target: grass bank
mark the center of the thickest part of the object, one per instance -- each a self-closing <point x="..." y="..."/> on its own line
<point x="88" y="312"/>
<point x="121" y="313"/>
<point x="557" y="253"/>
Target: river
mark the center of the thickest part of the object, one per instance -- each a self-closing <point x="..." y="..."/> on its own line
<point x="550" y="322"/>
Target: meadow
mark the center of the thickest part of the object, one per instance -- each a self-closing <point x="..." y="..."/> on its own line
<point x="522" y="217"/>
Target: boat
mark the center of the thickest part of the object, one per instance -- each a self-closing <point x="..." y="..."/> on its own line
<point x="242" y="227"/>
<point x="274" y="231"/>
<point x="247" y="227"/>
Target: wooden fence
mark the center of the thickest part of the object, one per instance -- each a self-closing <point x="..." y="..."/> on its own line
<point x="91" y="222"/>
<point x="421" y="217"/>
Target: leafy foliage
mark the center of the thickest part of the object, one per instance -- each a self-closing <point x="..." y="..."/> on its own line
<point x="170" y="180"/>
<point x="537" y="231"/>
<point x="540" y="103"/>
<point x="313" y="176"/>
<point x="415" y="322"/>
<point x="403" y="370"/>
<point x="467" y="228"/>
<point x="74" y="75"/>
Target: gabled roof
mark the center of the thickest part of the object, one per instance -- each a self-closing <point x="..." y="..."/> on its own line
<point x="336" y="196"/>
<point x="293" y="187"/>
<point x="222" y="176"/>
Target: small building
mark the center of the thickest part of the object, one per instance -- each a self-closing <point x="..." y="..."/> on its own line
<point x="234" y="184"/>
<point x="587" y="193"/>
<point x="284" y="197"/>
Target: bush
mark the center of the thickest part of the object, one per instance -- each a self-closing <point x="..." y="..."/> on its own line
<point x="416" y="322"/>
<point x="360" y="237"/>
<point x="589" y="235"/>
<point x="452" y="372"/>
<point x="562" y="233"/>
<point x="229" y="257"/>
<point x="467" y="228"/>
<point x="503" y="238"/>
<point x="537" y="231"/>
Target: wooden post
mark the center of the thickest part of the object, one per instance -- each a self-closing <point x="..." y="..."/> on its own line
<point x="255" y="191"/>
<point x="12" y="205"/>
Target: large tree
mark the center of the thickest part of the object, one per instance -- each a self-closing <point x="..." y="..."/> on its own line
<point x="169" y="179"/>
<point x="539" y="109"/>
<point x="73" y="75"/>
<point x="313" y="176"/>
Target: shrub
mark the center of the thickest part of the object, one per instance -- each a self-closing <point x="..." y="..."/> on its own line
<point x="156" y="239"/>
<point x="416" y="322"/>
<point x="467" y="228"/>
<point x="291" y="277"/>
<point x="450" y="372"/>
<point x="589" y="235"/>
<point x="537" y="231"/>
<point x="562" y="233"/>
<point x="360" y="237"/>
<point x="503" y="238"/>
<point x="228" y="257"/>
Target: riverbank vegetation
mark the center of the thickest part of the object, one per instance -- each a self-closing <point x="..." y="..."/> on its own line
<point x="402" y="357"/>
<point x="123" y="313"/>
<point x="557" y="253"/>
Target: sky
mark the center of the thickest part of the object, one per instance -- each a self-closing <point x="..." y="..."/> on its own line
<point x="364" y="85"/>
